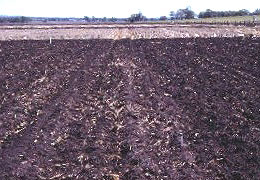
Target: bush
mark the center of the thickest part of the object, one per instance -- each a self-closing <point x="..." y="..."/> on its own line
<point x="163" y="18"/>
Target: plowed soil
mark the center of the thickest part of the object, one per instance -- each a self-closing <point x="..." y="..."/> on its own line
<point x="130" y="109"/>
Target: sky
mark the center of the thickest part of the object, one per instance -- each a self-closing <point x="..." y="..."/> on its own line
<point x="116" y="8"/>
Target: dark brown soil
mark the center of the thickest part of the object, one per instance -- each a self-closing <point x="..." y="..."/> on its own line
<point x="130" y="109"/>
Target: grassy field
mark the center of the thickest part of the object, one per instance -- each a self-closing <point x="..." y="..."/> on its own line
<point x="225" y="19"/>
<point x="233" y="19"/>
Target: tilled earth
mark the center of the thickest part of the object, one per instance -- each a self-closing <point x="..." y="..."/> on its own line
<point x="130" y="109"/>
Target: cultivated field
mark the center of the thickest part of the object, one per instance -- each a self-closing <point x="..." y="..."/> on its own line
<point x="122" y="31"/>
<point x="181" y="108"/>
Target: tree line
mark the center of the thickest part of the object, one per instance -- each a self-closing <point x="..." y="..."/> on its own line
<point x="14" y="19"/>
<point x="104" y="19"/>
<point x="180" y="14"/>
<point x="209" y="13"/>
<point x="187" y="13"/>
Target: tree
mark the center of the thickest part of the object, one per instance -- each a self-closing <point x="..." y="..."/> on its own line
<point x="180" y="14"/>
<point x="243" y="12"/>
<point x="163" y="18"/>
<point x="185" y="14"/>
<point x="256" y="12"/>
<point x="209" y="13"/>
<point x="137" y="17"/>
<point x="172" y="15"/>
<point x="104" y="19"/>
<point x="113" y="19"/>
<point x="93" y="19"/>
<point x="86" y="18"/>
